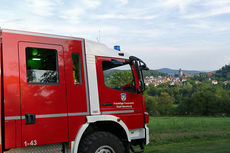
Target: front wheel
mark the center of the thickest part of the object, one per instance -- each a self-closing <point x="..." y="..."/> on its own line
<point x="101" y="142"/>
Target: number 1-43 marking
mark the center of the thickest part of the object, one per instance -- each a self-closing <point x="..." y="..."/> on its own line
<point x="31" y="143"/>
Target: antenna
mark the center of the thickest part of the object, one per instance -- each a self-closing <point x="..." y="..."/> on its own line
<point x="99" y="36"/>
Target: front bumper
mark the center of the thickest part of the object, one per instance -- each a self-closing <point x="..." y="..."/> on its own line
<point x="140" y="134"/>
<point x="146" y="135"/>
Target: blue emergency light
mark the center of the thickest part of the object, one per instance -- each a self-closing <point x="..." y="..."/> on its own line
<point x="117" y="48"/>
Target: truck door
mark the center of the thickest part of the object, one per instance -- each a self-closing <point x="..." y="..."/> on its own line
<point x="118" y="90"/>
<point x="43" y="94"/>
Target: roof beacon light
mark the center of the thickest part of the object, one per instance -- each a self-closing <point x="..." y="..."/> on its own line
<point x="117" y="48"/>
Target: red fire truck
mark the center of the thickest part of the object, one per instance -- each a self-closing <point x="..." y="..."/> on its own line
<point x="64" y="94"/>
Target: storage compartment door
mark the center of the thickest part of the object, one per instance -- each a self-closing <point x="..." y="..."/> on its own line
<point x="43" y="94"/>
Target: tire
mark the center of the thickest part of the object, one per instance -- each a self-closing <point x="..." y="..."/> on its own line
<point x="101" y="142"/>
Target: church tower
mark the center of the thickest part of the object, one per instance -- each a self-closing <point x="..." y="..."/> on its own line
<point x="180" y="73"/>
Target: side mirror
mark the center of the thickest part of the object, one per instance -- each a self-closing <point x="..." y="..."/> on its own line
<point x="143" y="67"/>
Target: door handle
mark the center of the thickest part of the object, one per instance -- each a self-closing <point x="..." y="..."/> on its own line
<point x="30" y="118"/>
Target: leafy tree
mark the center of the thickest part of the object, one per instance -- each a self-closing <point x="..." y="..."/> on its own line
<point x="223" y="74"/>
<point x="117" y="79"/>
<point x="153" y="91"/>
<point x="165" y="103"/>
<point x="152" y="105"/>
<point x="200" y="77"/>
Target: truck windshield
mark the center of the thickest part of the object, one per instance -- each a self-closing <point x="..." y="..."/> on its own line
<point x="118" y="75"/>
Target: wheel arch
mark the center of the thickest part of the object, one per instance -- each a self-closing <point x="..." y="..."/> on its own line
<point x="107" y="123"/>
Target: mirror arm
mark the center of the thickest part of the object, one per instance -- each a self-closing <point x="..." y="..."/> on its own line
<point x="139" y="91"/>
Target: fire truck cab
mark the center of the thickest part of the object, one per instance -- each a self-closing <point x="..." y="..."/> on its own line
<point x="64" y="94"/>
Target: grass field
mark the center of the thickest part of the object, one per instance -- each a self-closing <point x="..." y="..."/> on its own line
<point x="189" y="135"/>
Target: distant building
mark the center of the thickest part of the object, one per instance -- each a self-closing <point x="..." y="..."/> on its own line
<point x="214" y="82"/>
<point x="227" y="82"/>
<point x="187" y="75"/>
<point x="180" y="73"/>
<point x="184" y="80"/>
<point x="209" y="74"/>
<point x="197" y="82"/>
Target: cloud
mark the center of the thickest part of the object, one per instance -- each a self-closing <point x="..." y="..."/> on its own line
<point x="124" y="2"/>
<point x="170" y="4"/>
<point x="77" y="10"/>
<point x="145" y="34"/>
<point x="174" y="3"/>
<point x="214" y="3"/>
<point x="92" y="3"/>
<point x="193" y="9"/>
<point x="42" y="7"/>
<point x="210" y="26"/>
<point x="210" y="13"/>
<point x="120" y="16"/>
<point x="227" y="59"/>
<point x="72" y="15"/>
<point x="208" y="8"/>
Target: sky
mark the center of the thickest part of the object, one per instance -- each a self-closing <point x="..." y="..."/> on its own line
<point x="187" y="34"/>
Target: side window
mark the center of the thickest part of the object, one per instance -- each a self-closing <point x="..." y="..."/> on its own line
<point x="76" y="68"/>
<point x="118" y="75"/>
<point x="42" y="66"/>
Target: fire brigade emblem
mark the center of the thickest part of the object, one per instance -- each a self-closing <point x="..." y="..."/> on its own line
<point x="123" y="96"/>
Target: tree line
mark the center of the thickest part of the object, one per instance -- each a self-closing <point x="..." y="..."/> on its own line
<point x="188" y="98"/>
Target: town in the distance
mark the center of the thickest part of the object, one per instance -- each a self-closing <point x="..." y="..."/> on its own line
<point x="156" y="77"/>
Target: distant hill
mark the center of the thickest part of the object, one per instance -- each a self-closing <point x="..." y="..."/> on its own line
<point x="172" y="71"/>
<point x="154" y="73"/>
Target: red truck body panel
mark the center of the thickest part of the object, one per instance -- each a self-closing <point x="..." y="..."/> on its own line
<point x="1" y="129"/>
<point x="56" y="121"/>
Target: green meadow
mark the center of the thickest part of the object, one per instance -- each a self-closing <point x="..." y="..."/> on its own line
<point x="189" y="135"/>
